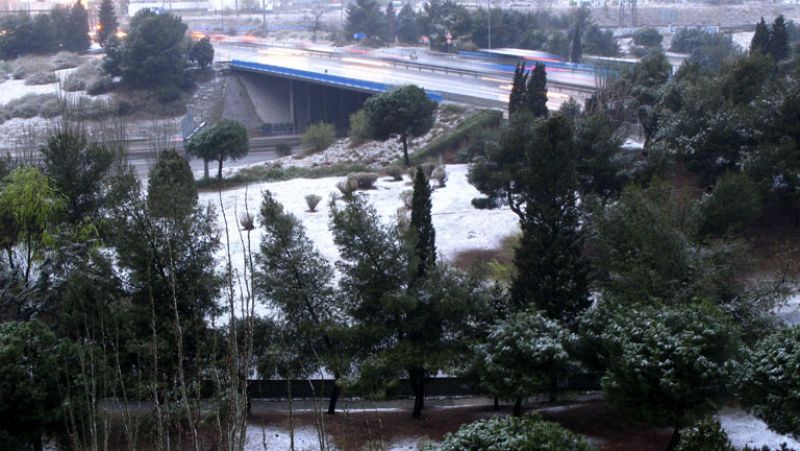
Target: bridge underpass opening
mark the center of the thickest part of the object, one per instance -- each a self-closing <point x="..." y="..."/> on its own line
<point x="288" y="106"/>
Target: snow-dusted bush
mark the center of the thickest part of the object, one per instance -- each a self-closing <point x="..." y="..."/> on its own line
<point x="92" y="109"/>
<point x="73" y="83"/>
<point x="408" y="198"/>
<point x="440" y="175"/>
<point x="99" y="85"/>
<point x="394" y="171"/>
<point x="669" y="365"/>
<point x="51" y="108"/>
<point x="319" y="137"/>
<point x="364" y="180"/>
<point x="525" y="433"/>
<point x="524" y="355"/>
<point x="65" y="60"/>
<point x="706" y="435"/>
<point x="41" y="78"/>
<point x="770" y="382"/>
<point x="347" y="187"/>
<point x="312" y="200"/>
<point x="27" y="106"/>
<point x="427" y="169"/>
<point x="484" y="203"/>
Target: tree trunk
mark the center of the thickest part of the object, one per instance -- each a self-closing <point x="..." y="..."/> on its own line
<point x="553" y="388"/>
<point x="205" y="169"/>
<point x="219" y="172"/>
<point x="676" y="438"/>
<point x="404" y="139"/>
<point x="334" y="395"/>
<point x="496" y="404"/>
<point x="518" y="407"/>
<point x="416" y="377"/>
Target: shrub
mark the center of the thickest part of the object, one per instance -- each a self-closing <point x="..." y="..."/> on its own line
<point x="523" y="433"/>
<point x="770" y="382"/>
<point x="488" y="119"/>
<point x="100" y="85"/>
<point x="312" y="200"/>
<point x="73" y="83"/>
<point x="734" y="203"/>
<point x="705" y="435"/>
<point x="169" y="94"/>
<point x="364" y="180"/>
<point x="122" y="107"/>
<point x="283" y="149"/>
<point x="92" y="109"/>
<point x="65" y="60"/>
<point x="359" y="131"/>
<point x="440" y="175"/>
<point x="51" y="108"/>
<point x="427" y="169"/>
<point x="27" y="106"/>
<point x="319" y="137"/>
<point x="347" y="187"/>
<point x="408" y="198"/>
<point x="484" y="203"/>
<point x="395" y="172"/>
<point x="41" y="78"/>
<point x="647" y="37"/>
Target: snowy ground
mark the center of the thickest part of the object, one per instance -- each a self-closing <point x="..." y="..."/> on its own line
<point x="459" y="226"/>
<point x="790" y="310"/>
<point x="744" y="429"/>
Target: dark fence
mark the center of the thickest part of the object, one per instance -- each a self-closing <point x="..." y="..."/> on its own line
<point x="435" y="387"/>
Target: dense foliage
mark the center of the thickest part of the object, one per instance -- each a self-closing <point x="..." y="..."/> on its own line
<point x="64" y="28"/>
<point x="513" y="434"/>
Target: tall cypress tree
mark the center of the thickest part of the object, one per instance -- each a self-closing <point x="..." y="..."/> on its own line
<point x="577" y="46"/>
<point x="516" y="101"/>
<point x="108" y="21"/>
<point x="422" y="225"/>
<point x="551" y="271"/>
<point x="779" y="39"/>
<point x="761" y="39"/>
<point x="536" y="91"/>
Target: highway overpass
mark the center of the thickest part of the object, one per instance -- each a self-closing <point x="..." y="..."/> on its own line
<point x="293" y="87"/>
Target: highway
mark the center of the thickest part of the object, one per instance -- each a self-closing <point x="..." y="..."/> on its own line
<point x="456" y="78"/>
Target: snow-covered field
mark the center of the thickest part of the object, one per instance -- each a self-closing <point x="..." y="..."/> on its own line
<point x="459" y="226"/>
<point x="744" y="429"/>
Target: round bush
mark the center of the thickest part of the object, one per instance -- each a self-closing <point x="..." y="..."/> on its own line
<point x="364" y="180"/>
<point x="51" y="108"/>
<point x="283" y="149"/>
<point x="395" y="172"/>
<point x="770" y="382"/>
<point x="513" y="434"/>
<point x="319" y="137"/>
<point x="312" y="200"/>
<point x="41" y="78"/>
<point x="73" y="83"/>
<point x="99" y="85"/>
<point x="705" y="435"/>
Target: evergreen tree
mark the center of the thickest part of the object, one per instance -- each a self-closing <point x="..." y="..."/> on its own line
<point x="171" y="191"/>
<point x="761" y="39"/>
<point x="154" y="52"/>
<point x="296" y="279"/>
<point x="424" y="235"/>
<point x="779" y="39"/>
<point x="202" y="52"/>
<point x="76" y="36"/>
<point x="550" y="268"/>
<point x="407" y="27"/>
<point x="576" y="52"/>
<point x="221" y="141"/>
<point x="107" y="21"/>
<point x="516" y="100"/>
<point x="536" y="91"/>
<point x="391" y="23"/>
<point x="405" y="111"/>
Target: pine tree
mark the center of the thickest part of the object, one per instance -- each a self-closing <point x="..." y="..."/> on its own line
<point x="550" y="268"/>
<point x="108" y="21"/>
<point x="391" y="23"/>
<point x="421" y="224"/>
<point x="516" y="101"/>
<point x="577" y="47"/>
<point x="536" y="91"/>
<point x="761" y="39"/>
<point x="76" y="37"/>
<point x="779" y="40"/>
